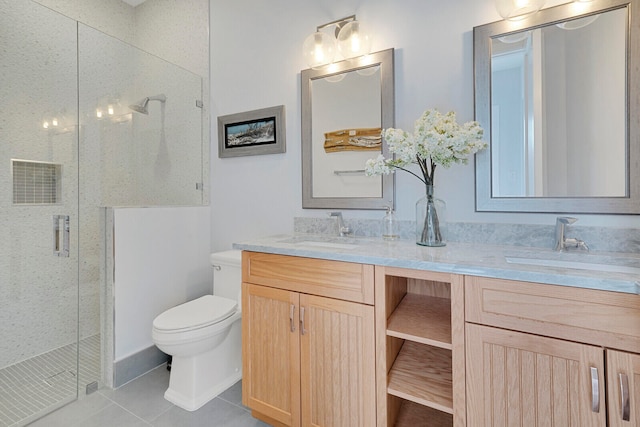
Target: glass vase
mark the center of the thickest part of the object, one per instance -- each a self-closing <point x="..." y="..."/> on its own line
<point x="430" y="220"/>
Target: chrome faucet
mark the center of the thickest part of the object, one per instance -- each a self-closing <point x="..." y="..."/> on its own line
<point x="343" y="230"/>
<point x="563" y="243"/>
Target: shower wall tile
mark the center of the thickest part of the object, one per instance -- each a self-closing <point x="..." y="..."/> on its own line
<point x="168" y="30"/>
<point x="136" y="160"/>
<point x="113" y="17"/>
<point x="38" y="308"/>
<point x="161" y="30"/>
<point x="180" y="35"/>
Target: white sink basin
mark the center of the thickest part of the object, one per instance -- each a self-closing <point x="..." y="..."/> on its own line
<point x="613" y="268"/>
<point x="322" y="242"/>
<point x="330" y="245"/>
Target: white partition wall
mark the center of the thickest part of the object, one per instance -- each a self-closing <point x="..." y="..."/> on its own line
<point x="159" y="260"/>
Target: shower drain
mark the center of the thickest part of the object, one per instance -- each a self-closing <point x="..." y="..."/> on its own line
<point x="60" y="377"/>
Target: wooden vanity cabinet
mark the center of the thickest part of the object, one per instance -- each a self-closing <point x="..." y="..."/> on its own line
<point x="420" y="342"/>
<point x="436" y="349"/>
<point x="518" y="379"/>
<point x="623" y="385"/>
<point x="541" y="354"/>
<point x="308" y="341"/>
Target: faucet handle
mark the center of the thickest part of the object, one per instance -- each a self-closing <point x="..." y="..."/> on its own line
<point x="576" y="244"/>
<point x="343" y="230"/>
<point x="566" y="220"/>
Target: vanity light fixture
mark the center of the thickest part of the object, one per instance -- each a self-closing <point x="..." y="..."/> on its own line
<point x="515" y="10"/>
<point x="319" y="49"/>
<point x="349" y="38"/>
<point x="353" y="41"/>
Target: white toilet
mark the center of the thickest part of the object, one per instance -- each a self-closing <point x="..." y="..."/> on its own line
<point x="204" y="338"/>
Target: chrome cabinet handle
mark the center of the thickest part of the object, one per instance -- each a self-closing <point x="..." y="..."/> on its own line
<point x="61" y="235"/>
<point x="292" y="324"/>
<point x="624" y="397"/>
<point x="595" y="390"/>
<point x="302" y="329"/>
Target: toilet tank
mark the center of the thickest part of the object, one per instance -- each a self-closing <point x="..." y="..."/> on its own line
<point x="227" y="274"/>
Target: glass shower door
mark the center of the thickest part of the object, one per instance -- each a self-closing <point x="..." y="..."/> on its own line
<point x="129" y="158"/>
<point x="38" y="211"/>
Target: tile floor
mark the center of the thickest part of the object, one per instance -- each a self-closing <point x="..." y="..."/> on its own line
<point x="141" y="403"/>
<point x="35" y="386"/>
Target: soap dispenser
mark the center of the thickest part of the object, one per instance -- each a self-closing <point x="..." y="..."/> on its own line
<point x="390" y="225"/>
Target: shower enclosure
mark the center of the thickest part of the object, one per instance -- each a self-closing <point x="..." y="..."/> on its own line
<point x="71" y="146"/>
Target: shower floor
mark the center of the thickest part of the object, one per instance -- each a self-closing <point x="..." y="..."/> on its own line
<point x="36" y="386"/>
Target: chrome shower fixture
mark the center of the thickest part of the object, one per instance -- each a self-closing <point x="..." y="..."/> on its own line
<point x="142" y="106"/>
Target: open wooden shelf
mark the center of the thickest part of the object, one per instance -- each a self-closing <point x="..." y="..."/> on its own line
<point x="413" y="415"/>
<point x="422" y="374"/>
<point x="423" y="319"/>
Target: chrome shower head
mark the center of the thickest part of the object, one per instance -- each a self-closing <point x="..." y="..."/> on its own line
<point x="143" y="106"/>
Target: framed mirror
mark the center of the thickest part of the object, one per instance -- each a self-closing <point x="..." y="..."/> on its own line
<point x="558" y="95"/>
<point x="344" y="109"/>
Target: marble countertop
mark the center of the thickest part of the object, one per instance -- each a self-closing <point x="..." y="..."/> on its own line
<point x="576" y="269"/>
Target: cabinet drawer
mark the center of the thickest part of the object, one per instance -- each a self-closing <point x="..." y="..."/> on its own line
<point x="334" y="279"/>
<point x="603" y="318"/>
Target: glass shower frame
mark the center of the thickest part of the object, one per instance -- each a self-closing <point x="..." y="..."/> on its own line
<point x="64" y="101"/>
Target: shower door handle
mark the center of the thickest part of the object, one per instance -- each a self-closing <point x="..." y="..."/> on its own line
<point x="61" y="235"/>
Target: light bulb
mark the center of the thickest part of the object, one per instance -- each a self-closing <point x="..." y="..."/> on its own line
<point x="355" y="43"/>
<point x="318" y="53"/>
<point x="514" y="10"/>
<point x="110" y="110"/>
<point x="45" y="124"/>
<point x="54" y="122"/>
<point x="319" y="49"/>
<point x="99" y="113"/>
<point x="353" y="40"/>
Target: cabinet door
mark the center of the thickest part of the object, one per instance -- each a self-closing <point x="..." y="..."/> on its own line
<point x="271" y="353"/>
<point x="337" y="363"/>
<point x="518" y="379"/>
<point x="623" y="376"/>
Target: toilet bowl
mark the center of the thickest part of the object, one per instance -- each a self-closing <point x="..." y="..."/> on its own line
<point x="204" y="338"/>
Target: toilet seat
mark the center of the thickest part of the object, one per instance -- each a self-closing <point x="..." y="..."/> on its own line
<point x="199" y="313"/>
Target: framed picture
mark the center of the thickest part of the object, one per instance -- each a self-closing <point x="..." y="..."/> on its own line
<point x="252" y="132"/>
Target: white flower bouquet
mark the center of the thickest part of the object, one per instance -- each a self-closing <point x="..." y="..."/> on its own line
<point x="437" y="140"/>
